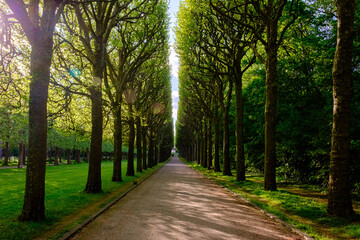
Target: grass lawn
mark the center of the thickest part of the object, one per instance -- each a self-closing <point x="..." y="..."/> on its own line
<point x="305" y="212"/>
<point x="64" y="197"/>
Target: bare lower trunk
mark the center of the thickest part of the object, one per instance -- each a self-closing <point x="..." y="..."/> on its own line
<point x="41" y="54"/>
<point x="339" y="203"/>
<point x="117" y="145"/>
<point x="205" y="149"/>
<point x="7" y="154"/>
<point x="56" y="161"/>
<point x="198" y="157"/>
<point x="226" y="144"/>
<point x="156" y="151"/>
<point x="195" y="150"/>
<point x="68" y="153"/>
<point x="151" y="151"/>
<point x="239" y="130"/>
<point x="77" y="156"/>
<point x="138" y="145"/>
<point x="209" y="163"/>
<point x="117" y="177"/>
<point x="144" y="149"/>
<point x="93" y="184"/>
<point x="21" y="155"/>
<point x="270" y="120"/>
<point x="130" y="165"/>
<point x="217" y="146"/>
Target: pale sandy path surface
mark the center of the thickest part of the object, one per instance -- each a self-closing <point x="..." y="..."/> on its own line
<point x="179" y="203"/>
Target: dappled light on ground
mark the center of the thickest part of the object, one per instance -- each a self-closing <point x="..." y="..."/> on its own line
<point x="179" y="203"/>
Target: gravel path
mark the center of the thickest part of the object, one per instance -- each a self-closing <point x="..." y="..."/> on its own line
<point x="179" y="203"/>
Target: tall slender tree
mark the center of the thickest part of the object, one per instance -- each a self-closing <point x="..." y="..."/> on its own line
<point x="267" y="14"/>
<point x="38" y="22"/>
<point x="339" y="203"/>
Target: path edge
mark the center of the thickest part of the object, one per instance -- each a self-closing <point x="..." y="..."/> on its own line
<point x="88" y="220"/>
<point x="271" y="216"/>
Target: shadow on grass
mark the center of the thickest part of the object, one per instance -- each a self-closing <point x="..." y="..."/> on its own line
<point x="300" y="209"/>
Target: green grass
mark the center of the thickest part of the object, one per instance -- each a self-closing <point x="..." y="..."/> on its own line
<point x="307" y="214"/>
<point x="65" y="195"/>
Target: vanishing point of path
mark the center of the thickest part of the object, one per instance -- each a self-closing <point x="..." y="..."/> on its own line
<point x="179" y="203"/>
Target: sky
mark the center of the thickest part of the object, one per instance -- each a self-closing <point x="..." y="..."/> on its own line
<point x="174" y="61"/>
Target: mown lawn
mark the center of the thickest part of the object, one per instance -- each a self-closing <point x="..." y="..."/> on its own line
<point x="306" y="213"/>
<point x="64" y="196"/>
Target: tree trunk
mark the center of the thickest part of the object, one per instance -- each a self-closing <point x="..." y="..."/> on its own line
<point x="93" y="184"/>
<point x="195" y="149"/>
<point x="138" y="145"/>
<point x="21" y="155"/>
<point x="209" y="163"/>
<point x="191" y="152"/>
<point x="239" y="130"/>
<point x="7" y="154"/>
<point x="77" y="156"/>
<point x="226" y="144"/>
<point x="156" y="151"/>
<point x="151" y="151"/>
<point x="217" y="146"/>
<point x="144" y="148"/>
<point x="270" y="114"/>
<point x="130" y="165"/>
<point x="198" y="157"/>
<point x="205" y="144"/>
<point x="56" y="161"/>
<point x="41" y="54"/>
<point x="68" y="153"/>
<point x="339" y="203"/>
<point x="117" y="142"/>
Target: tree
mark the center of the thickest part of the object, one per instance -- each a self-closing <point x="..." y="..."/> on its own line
<point x="134" y="43"/>
<point x="91" y="47"/>
<point x="339" y="203"/>
<point x="267" y="14"/>
<point x="38" y="22"/>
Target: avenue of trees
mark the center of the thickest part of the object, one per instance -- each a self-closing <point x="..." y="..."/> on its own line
<point x="88" y="79"/>
<point x="272" y="86"/>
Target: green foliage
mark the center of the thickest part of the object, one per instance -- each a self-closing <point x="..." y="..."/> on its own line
<point x="254" y="95"/>
<point x="304" y="112"/>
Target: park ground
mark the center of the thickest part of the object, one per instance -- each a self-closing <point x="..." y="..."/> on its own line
<point x="67" y="205"/>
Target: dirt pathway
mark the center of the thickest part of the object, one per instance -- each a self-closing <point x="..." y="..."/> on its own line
<point x="179" y="203"/>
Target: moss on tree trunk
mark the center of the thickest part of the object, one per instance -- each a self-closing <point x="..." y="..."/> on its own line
<point x="339" y="203"/>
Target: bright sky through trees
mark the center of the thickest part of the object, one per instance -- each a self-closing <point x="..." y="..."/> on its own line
<point x="174" y="61"/>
